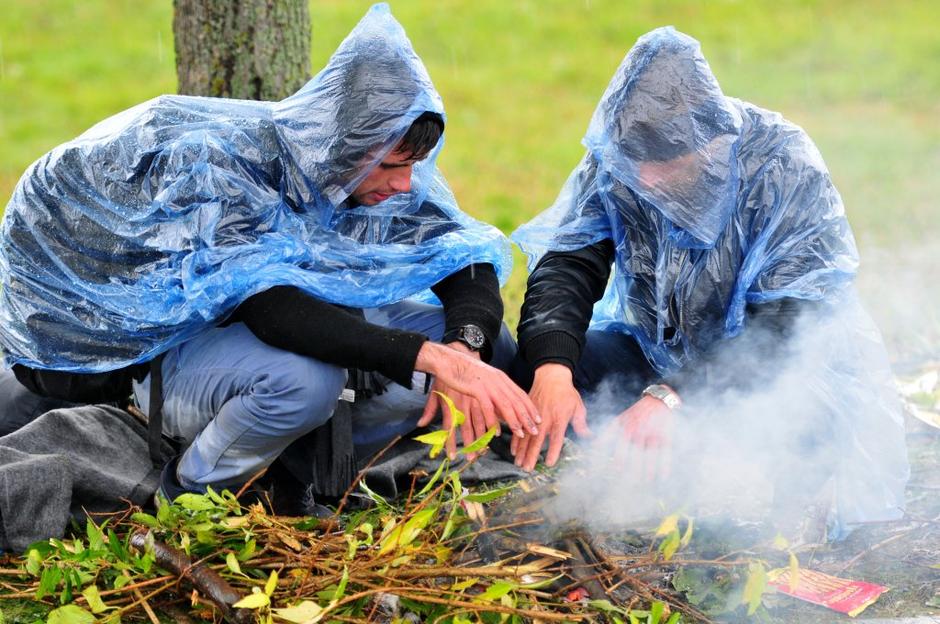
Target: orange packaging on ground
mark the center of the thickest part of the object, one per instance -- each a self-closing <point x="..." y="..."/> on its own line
<point x="842" y="595"/>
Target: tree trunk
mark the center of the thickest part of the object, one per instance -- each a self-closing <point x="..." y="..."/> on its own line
<point x="245" y="49"/>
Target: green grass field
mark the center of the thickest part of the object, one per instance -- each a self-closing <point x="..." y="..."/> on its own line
<point x="520" y="80"/>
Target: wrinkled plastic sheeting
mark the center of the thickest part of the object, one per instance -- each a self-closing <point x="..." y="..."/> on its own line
<point x="157" y="222"/>
<point x="713" y="204"/>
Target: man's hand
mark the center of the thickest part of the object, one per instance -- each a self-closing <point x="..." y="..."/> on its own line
<point x="559" y="403"/>
<point x="645" y="430"/>
<point x="498" y="398"/>
<point x="476" y="423"/>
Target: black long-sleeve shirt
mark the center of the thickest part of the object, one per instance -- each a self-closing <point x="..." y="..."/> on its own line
<point x="287" y="318"/>
<point x="564" y="287"/>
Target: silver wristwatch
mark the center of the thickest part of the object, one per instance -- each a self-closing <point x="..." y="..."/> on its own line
<point x="665" y="394"/>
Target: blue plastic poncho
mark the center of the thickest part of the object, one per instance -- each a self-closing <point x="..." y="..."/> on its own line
<point x="157" y="222"/>
<point x="713" y="204"/>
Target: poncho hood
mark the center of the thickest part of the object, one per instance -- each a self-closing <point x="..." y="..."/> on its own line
<point x="353" y="112"/>
<point x="664" y="129"/>
<point x="156" y="223"/>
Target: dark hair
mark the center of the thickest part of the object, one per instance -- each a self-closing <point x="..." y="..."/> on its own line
<point x="422" y="136"/>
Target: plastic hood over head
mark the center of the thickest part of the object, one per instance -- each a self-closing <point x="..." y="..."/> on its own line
<point x="664" y="129"/>
<point x="156" y="223"/>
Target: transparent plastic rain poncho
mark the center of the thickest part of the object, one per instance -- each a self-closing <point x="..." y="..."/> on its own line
<point x="157" y="222"/>
<point x="713" y="204"/>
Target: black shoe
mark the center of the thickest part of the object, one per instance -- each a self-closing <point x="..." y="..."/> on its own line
<point x="170" y="487"/>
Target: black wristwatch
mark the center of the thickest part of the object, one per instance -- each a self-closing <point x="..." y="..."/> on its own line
<point x="470" y="335"/>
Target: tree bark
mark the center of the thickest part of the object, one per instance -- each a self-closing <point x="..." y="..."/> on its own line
<point x="245" y="49"/>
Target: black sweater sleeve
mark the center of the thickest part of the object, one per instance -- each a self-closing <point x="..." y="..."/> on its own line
<point x="287" y="318"/>
<point x="471" y="297"/>
<point x="559" y="299"/>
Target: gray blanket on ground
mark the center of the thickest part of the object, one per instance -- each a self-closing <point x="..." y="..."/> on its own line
<point x="66" y="463"/>
<point x="70" y="462"/>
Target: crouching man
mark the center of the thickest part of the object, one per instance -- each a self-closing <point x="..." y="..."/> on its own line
<point x="231" y="261"/>
<point x="732" y="269"/>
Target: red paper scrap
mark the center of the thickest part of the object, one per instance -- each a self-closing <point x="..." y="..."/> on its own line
<point x="838" y="594"/>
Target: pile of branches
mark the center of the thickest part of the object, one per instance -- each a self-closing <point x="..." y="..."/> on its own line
<point x="433" y="557"/>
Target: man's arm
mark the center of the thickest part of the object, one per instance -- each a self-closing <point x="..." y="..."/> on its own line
<point x="559" y="300"/>
<point x="558" y="304"/>
<point x="471" y="297"/>
<point x="288" y="318"/>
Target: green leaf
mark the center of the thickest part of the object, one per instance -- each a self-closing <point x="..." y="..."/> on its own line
<point x="48" y="581"/>
<point x="464" y="584"/>
<point x="437" y="475"/>
<point x="606" y="606"/>
<point x="247" y="551"/>
<point x="194" y="502"/>
<point x="253" y="601"/>
<point x="271" y="585"/>
<point x="780" y="542"/>
<point x="70" y="614"/>
<point x="94" y="534"/>
<point x="754" y="586"/>
<point x="145" y="519"/>
<point x="457" y="417"/>
<point x="404" y="534"/>
<point x="377" y="498"/>
<point x="670" y="545"/>
<point x="495" y="591"/>
<point x="33" y="562"/>
<point x="341" y="588"/>
<point x="480" y="443"/>
<point x="93" y="596"/>
<point x="434" y="439"/>
<point x="306" y="611"/>
<point x="794" y="572"/>
<point x="668" y="525"/>
<point x="656" y="612"/>
<point x="489" y="495"/>
<point x="214" y="497"/>
<point x="674" y="618"/>
<point x="231" y="561"/>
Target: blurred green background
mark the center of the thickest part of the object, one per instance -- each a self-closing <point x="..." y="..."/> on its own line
<point x="520" y="80"/>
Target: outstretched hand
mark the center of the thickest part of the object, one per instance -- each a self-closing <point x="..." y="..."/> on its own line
<point x="476" y="423"/>
<point x="487" y="392"/>
<point x="643" y="438"/>
<point x="560" y="404"/>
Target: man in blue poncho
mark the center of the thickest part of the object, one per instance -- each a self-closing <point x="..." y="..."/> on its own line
<point x="247" y="259"/>
<point x="725" y="234"/>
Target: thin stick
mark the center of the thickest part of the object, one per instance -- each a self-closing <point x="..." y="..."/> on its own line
<point x="143" y="602"/>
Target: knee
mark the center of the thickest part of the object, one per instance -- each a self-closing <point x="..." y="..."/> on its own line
<point x="303" y="393"/>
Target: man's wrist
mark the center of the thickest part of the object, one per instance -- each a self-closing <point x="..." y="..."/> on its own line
<point x="554" y="372"/>
<point x="664" y="393"/>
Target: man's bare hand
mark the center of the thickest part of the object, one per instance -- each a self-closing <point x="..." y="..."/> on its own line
<point x="499" y="399"/>
<point x="560" y="404"/>
<point x="476" y="422"/>
<point x="645" y="430"/>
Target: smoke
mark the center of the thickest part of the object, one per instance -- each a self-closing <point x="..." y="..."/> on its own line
<point x="770" y="430"/>
<point x="899" y="289"/>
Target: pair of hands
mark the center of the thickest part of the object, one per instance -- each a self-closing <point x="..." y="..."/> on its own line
<point x="488" y="397"/>
<point x="644" y="427"/>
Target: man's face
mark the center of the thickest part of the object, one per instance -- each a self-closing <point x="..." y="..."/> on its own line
<point x="390" y="177"/>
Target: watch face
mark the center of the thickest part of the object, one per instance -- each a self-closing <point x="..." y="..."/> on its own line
<point x="473" y="336"/>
